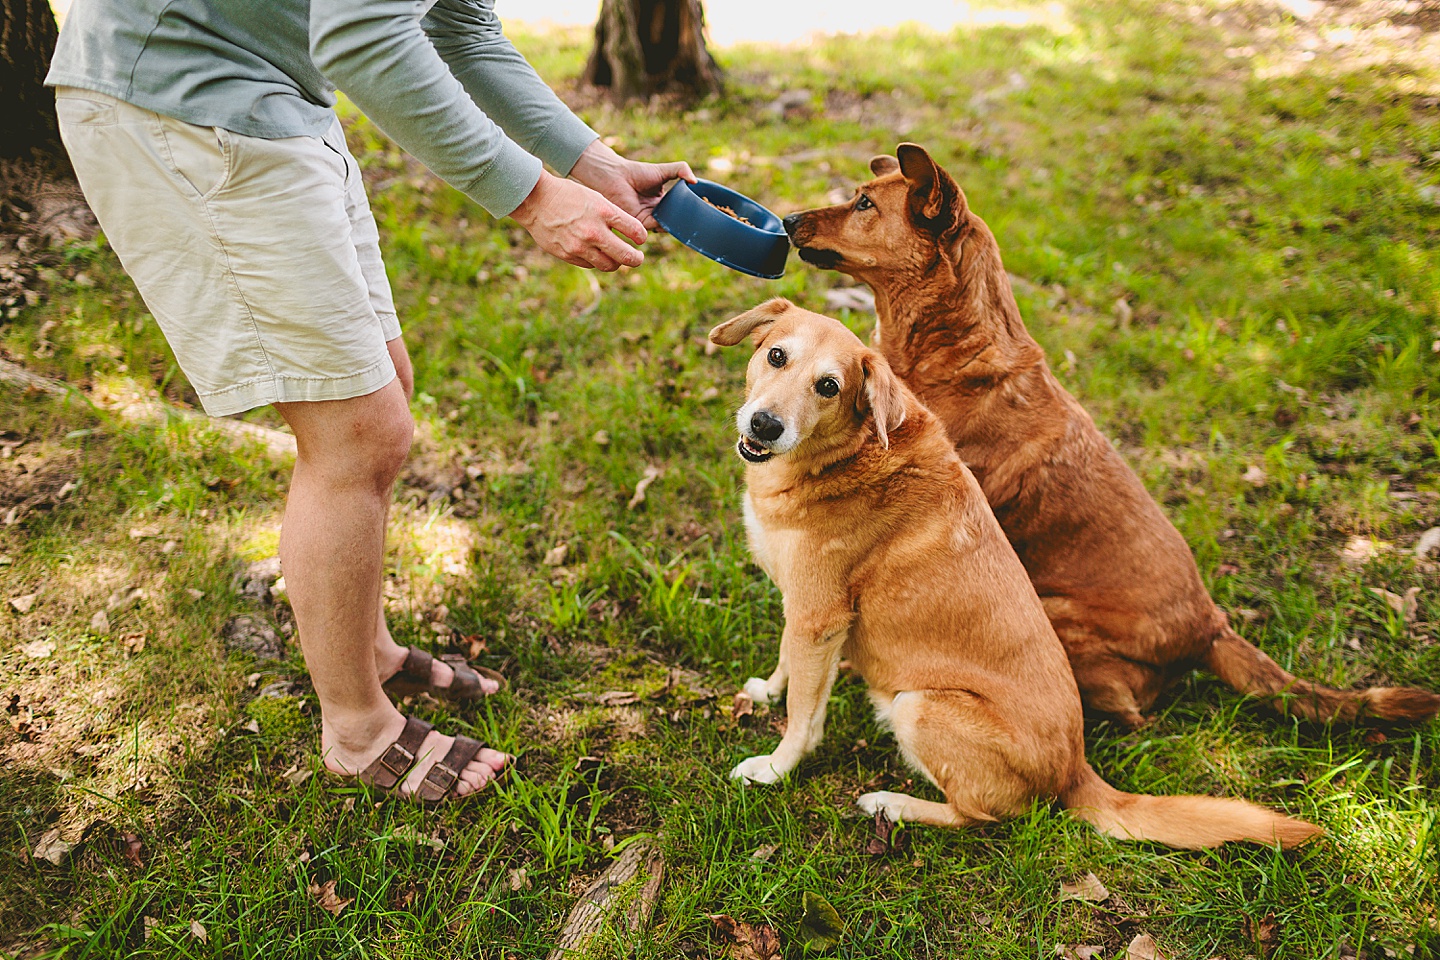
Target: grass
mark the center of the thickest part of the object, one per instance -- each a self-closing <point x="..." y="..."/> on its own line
<point x="1265" y="217"/>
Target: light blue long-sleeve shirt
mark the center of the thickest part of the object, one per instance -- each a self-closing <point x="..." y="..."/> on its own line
<point x="438" y="77"/>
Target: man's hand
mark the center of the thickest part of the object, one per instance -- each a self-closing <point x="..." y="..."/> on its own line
<point x="634" y="187"/>
<point x="573" y="222"/>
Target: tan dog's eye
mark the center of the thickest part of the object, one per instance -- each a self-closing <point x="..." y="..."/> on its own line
<point x="827" y="387"/>
<point x="776" y="357"/>
<point x="864" y="203"/>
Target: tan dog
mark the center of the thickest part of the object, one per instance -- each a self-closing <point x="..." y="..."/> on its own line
<point x="1116" y="578"/>
<point x="859" y="509"/>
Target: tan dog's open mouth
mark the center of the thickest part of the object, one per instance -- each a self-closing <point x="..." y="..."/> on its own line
<point x="753" y="452"/>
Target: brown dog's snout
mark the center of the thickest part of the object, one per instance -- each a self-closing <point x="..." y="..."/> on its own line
<point x="792" y="223"/>
<point x="766" y="426"/>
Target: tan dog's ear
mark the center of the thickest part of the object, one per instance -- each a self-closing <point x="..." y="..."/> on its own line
<point x="751" y="323"/>
<point x="881" y="395"/>
<point x="936" y="201"/>
<point x="883" y="164"/>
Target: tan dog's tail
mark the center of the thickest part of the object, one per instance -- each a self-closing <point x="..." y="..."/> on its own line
<point x="1189" y="823"/>
<point x="1246" y="668"/>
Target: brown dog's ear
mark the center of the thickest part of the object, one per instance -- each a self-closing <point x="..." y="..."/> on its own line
<point x="752" y="323"/>
<point x="936" y="202"/>
<point x="883" y="164"/>
<point x="881" y="395"/>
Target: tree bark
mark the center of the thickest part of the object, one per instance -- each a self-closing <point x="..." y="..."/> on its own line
<point x="27" y="40"/>
<point x="645" y="47"/>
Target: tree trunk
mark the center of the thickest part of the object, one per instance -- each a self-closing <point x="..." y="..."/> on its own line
<point x="645" y="47"/>
<point x="27" y="40"/>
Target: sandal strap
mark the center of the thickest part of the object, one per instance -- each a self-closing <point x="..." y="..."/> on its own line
<point x="391" y="766"/>
<point x="417" y="665"/>
<point x="443" y="776"/>
<point x="466" y="682"/>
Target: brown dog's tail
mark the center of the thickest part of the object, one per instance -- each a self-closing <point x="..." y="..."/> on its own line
<point x="1246" y="668"/>
<point x="1188" y="823"/>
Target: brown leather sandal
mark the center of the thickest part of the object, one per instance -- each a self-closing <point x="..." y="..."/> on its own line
<point x="414" y="677"/>
<point x="389" y="769"/>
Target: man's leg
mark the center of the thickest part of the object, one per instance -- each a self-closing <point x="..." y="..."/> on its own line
<point x="332" y="546"/>
<point x="389" y="655"/>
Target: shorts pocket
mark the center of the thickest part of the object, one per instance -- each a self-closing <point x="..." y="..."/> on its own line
<point x="83" y="112"/>
<point x="201" y="156"/>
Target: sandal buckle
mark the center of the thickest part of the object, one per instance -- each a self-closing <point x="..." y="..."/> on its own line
<point x="447" y="778"/>
<point x="397" y="759"/>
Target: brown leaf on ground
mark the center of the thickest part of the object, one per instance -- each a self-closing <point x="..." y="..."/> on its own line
<point x="1359" y="551"/>
<point x="1408" y="605"/>
<point x="327" y="899"/>
<point x="617" y="698"/>
<point x="1078" y="951"/>
<point x="765" y="852"/>
<point x="556" y="555"/>
<point x="130" y="848"/>
<point x="1255" y="476"/>
<point x="885" y="839"/>
<point x="133" y="643"/>
<point x="518" y="879"/>
<point x="197" y="930"/>
<point x="52" y="848"/>
<point x="38" y="649"/>
<point x="23" y="603"/>
<point x="1143" y="947"/>
<point x="743" y="706"/>
<point x="1087" y="888"/>
<point x="1265" y="933"/>
<point x="745" y="941"/>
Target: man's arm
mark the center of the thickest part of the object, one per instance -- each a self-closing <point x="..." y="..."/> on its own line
<point x="376" y="52"/>
<point x="468" y="36"/>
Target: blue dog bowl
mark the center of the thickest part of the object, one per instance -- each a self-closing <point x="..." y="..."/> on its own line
<point x="758" y="248"/>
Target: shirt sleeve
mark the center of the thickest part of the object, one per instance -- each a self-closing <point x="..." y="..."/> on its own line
<point x="376" y="51"/>
<point x="468" y="36"/>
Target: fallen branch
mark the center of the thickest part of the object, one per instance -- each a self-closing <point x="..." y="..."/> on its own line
<point x="600" y="906"/>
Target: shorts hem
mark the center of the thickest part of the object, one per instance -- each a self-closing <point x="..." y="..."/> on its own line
<point x="264" y="391"/>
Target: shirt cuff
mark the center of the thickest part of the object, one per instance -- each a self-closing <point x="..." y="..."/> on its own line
<point x="507" y="181"/>
<point x="563" y="141"/>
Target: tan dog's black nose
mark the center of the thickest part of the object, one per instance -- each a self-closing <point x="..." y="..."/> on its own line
<point x="790" y="223"/>
<point x="765" y="426"/>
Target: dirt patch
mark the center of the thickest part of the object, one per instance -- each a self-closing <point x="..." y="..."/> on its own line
<point x="32" y="479"/>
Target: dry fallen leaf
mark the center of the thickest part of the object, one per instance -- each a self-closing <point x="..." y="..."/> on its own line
<point x="1087" y="888"/>
<point x="38" y="649"/>
<point x="197" y="930"/>
<point x="617" y="698"/>
<point x="747" y="941"/>
<point x="652" y="473"/>
<point x="1143" y="947"/>
<point x="1078" y="951"/>
<point x="1407" y="606"/>
<point x="742" y="707"/>
<point x="1256" y="476"/>
<point x="1359" y="551"/>
<point x="100" y="623"/>
<point x="133" y="643"/>
<point x="22" y="604"/>
<point x="327" y="899"/>
<point x="50" y="847"/>
<point x="556" y="555"/>
<point x="130" y="847"/>
<point x="1265" y="933"/>
<point x="519" y="879"/>
<point x="1428" y="543"/>
<point x="765" y="852"/>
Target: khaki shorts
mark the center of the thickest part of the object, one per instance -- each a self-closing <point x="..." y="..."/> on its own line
<point x="260" y="259"/>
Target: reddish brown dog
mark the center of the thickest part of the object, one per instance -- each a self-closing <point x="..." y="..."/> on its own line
<point x="1116" y="578"/>
<point x="859" y="509"/>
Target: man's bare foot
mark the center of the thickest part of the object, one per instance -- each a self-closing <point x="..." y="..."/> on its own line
<point x="361" y="742"/>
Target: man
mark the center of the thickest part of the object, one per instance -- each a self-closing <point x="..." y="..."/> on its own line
<point x="204" y="138"/>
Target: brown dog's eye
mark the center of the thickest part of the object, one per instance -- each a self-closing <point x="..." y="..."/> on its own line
<point x="864" y="203"/>
<point x="776" y="357"/>
<point x="827" y="387"/>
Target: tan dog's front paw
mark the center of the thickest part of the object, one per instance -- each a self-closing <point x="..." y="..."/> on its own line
<point x="759" y="769"/>
<point x="883" y="801"/>
<point x="758" y="689"/>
